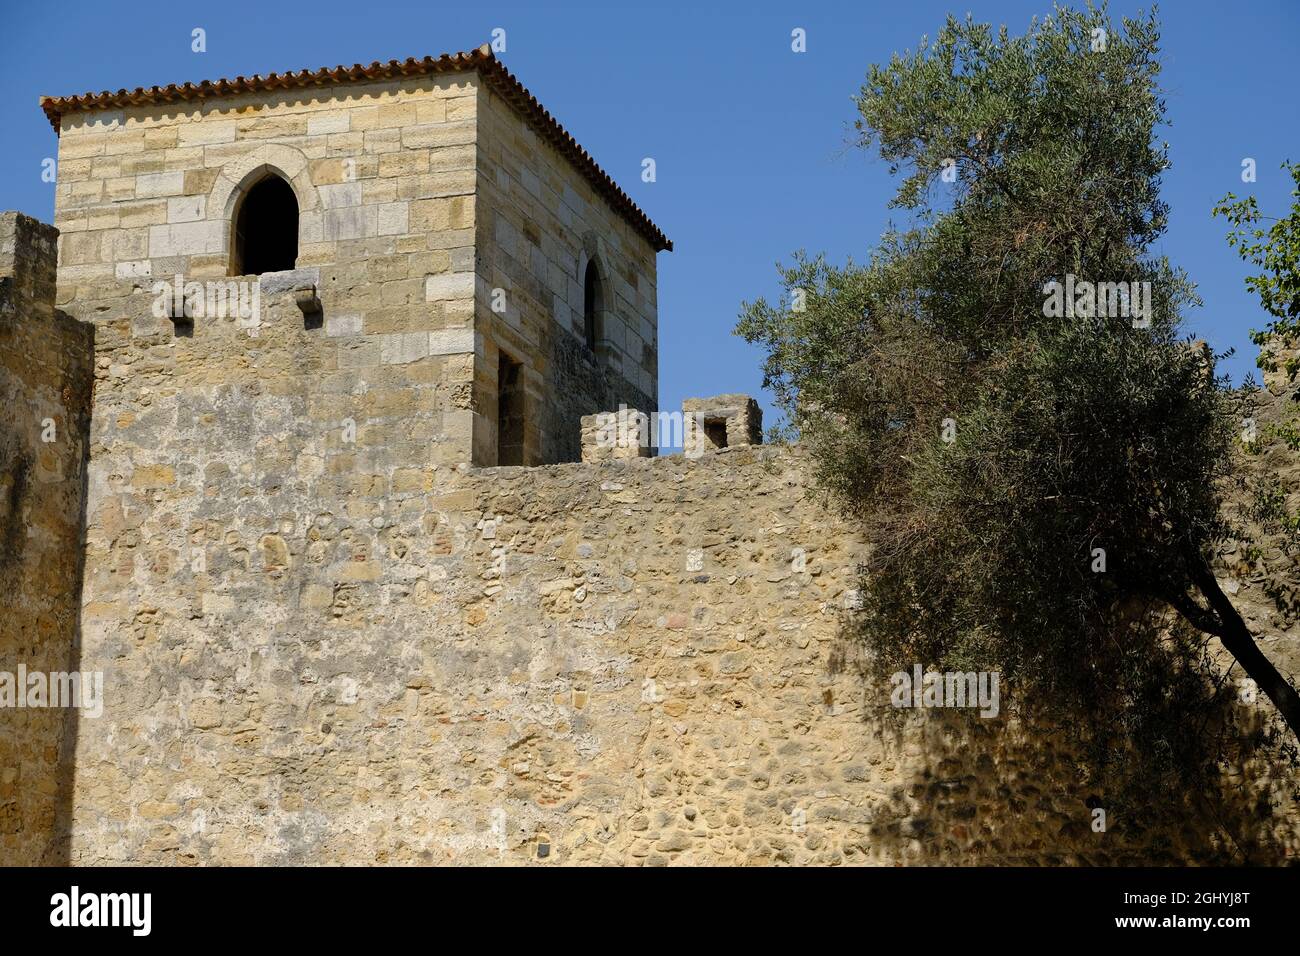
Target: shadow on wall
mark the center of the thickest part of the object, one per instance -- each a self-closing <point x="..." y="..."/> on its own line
<point x="59" y="848"/>
<point x="1024" y="790"/>
<point x="46" y="377"/>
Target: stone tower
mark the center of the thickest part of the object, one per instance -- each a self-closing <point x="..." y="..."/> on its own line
<point x="468" y="282"/>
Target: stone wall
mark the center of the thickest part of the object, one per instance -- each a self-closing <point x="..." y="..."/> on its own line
<point x="45" y="393"/>
<point x="1263" y="577"/>
<point x="384" y="176"/>
<point x="632" y="662"/>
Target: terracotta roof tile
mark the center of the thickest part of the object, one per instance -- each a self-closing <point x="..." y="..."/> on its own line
<point x="501" y="80"/>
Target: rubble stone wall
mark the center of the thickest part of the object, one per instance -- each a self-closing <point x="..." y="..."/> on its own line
<point x="45" y="394"/>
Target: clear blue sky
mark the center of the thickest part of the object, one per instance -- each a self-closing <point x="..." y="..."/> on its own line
<point x="749" y="139"/>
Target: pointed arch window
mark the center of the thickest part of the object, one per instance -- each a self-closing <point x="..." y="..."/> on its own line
<point x="266" y="228"/>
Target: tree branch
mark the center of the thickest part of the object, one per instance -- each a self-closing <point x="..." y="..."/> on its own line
<point x="1239" y="642"/>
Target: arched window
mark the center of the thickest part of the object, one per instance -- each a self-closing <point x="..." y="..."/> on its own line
<point x="591" y="305"/>
<point x="266" y="228"/>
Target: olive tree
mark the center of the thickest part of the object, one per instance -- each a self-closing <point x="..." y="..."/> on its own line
<point x="1003" y="393"/>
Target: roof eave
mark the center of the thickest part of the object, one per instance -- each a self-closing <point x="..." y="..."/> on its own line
<point x="482" y="60"/>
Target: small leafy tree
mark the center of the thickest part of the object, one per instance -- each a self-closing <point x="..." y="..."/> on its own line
<point x="1276" y="251"/>
<point x="1003" y="395"/>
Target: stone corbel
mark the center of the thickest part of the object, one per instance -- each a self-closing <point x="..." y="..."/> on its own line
<point x="302" y="284"/>
<point x="308" y="302"/>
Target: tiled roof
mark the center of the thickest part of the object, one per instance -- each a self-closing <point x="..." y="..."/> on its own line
<point x="483" y="60"/>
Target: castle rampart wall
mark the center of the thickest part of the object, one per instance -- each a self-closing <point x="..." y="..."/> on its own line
<point x="45" y="394"/>
<point x="639" y="661"/>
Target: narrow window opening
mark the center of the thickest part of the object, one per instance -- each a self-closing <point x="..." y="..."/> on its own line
<point x="510" y="411"/>
<point x="591" y="305"/>
<point x="266" y="229"/>
<point x="715" y="430"/>
<point x="183" y="326"/>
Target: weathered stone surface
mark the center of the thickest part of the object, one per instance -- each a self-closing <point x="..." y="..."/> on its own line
<point x="46" y="373"/>
<point x="278" y="283"/>
<point x="616" y="435"/>
<point x="723" y="421"/>
<point x="609" y="654"/>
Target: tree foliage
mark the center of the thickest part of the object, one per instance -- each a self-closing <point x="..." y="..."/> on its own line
<point x="1081" y="495"/>
<point x="1276" y="251"/>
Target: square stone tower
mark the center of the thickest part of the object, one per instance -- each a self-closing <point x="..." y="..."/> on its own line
<point x="352" y="271"/>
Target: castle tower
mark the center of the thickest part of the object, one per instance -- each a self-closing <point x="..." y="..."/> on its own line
<point x="316" y="298"/>
<point x="435" y="260"/>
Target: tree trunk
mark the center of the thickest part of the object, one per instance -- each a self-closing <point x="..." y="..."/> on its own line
<point x="1240" y="643"/>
